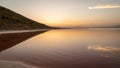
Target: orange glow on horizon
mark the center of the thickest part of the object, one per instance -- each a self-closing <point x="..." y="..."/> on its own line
<point x="59" y="21"/>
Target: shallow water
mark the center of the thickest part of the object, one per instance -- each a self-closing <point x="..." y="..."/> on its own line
<point x="75" y="48"/>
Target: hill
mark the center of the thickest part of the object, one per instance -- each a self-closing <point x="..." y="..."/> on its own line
<point x="117" y="26"/>
<point x="10" y="20"/>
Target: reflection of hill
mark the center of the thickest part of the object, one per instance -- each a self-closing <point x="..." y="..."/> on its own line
<point x="9" y="40"/>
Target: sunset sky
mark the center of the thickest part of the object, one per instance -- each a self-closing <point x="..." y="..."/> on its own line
<point x="68" y="13"/>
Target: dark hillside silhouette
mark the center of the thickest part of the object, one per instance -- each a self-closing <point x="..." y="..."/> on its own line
<point x="9" y="20"/>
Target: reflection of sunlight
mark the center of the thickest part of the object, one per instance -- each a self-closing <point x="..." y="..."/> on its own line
<point x="103" y="48"/>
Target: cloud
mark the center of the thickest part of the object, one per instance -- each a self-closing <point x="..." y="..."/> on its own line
<point x="104" y="7"/>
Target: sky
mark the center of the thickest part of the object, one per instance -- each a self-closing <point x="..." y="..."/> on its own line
<point x="68" y="13"/>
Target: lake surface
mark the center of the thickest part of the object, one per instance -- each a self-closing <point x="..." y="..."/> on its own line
<point x="73" y="48"/>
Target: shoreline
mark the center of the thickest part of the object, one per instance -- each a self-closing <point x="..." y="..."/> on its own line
<point x="36" y="30"/>
<point x="21" y="31"/>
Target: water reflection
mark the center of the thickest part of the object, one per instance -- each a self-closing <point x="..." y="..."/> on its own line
<point x="106" y="51"/>
<point x="103" y="48"/>
<point x="82" y="48"/>
<point x="8" y="40"/>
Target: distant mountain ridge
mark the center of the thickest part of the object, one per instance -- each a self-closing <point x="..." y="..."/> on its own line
<point x="117" y="26"/>
<point x="10" y="20"/>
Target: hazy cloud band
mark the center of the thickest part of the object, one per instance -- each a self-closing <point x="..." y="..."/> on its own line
<point x="104" y="7"/>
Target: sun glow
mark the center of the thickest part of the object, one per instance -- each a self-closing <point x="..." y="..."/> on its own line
<point x="53" y="17"/>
